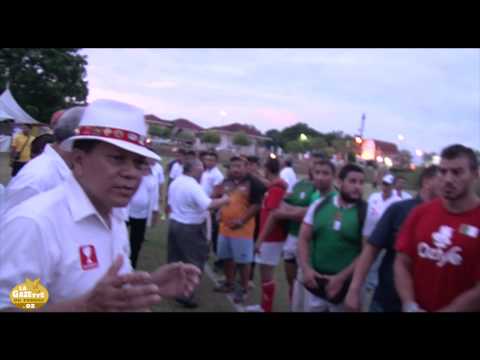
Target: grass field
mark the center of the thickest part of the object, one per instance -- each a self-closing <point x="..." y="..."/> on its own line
<point x="154" y="254"/>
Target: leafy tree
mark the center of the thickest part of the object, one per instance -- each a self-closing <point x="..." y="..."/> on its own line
<point x="44" y="80"/>
<point x="160" y="131"/>
<point x="211" y="137"/>
<point x="404" y="158"/>
<point x="293" y="132"/>
<point x="241" y="139"/>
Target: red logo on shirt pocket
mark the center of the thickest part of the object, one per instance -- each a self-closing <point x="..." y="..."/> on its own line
<point x="88" y="257"/>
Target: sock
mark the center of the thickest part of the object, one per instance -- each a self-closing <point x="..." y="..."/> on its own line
<point x="268" y="292"/>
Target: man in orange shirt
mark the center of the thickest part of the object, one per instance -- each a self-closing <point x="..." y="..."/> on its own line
<point x="237" y="224"/>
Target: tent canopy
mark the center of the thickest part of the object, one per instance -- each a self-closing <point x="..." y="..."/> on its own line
<point x="9" y="109"/>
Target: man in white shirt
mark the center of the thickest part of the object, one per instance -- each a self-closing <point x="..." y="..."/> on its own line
<point x="47" y="170"/>
<point x="157" y="172"/>
<point x="187" y="240"/>
<point x="288" y="174"/>
<point x="177" y="168"/>
<point x="211" y="178"/>
<point x="378" y="203"/>
<point x="143" y="212"/>
<point x="74" y="240"/>
<point x="399" y="187"/>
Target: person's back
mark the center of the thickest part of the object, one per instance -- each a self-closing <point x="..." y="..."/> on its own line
<point x="47" y="170"/>
<point x="40" y="174"/>
<point x="288" y="174"/>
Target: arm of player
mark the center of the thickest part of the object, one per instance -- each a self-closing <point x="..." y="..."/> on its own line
<point x="403" y="279"/>
<point x="289" y="212"/>
<point x="251" y="212"/>
<point x="304" y="238"/>
<point x="469" y="301"/>
<point x="364" y="262"/>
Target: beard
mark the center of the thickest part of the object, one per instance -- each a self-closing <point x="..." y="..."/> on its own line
<point x="347" y="198"/>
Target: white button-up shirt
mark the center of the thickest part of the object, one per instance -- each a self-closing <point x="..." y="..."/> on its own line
<point x="376" y="207"/>
<point x="188" y="201"/>
<point x="145" y="200"/>
<point x="157" y="171"/>
<point x="59" y="237"/>
<point x="40" y="174"/>
<point x="210" y="179"/>
<point x="288" y="174"/>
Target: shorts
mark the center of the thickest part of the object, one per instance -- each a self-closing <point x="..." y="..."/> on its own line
<point x="270" y="253"/>
<point x="240" y="250"/>
<point x="317" y="304"/>
<point x="290" y="248"/>
<point x="304" y="301"/>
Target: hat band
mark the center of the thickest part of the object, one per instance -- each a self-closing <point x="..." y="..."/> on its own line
<point x="112" y="133"/>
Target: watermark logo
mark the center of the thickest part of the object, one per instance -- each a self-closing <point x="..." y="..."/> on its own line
<point x="30" y="295"/>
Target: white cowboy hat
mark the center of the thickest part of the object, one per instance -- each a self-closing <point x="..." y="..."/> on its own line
<point x="116" y="123"/>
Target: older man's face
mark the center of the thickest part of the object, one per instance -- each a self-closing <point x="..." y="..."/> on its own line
<point x="109" y="175"/>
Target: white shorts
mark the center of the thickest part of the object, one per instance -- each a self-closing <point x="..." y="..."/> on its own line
<point x="270" y="253"/>
<point x="290" y="247"/>
<point x="304" y="301"/>
<point x="316" y="304"/>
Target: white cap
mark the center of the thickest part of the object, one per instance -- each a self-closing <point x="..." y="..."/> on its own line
<point x="389" y="179"/>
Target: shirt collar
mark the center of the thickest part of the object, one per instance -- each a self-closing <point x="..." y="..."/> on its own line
<point x="80" y="205"/>
<point x="62" y="167"/>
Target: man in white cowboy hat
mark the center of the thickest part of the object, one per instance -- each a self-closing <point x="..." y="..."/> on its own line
<point x="74" y="238"/>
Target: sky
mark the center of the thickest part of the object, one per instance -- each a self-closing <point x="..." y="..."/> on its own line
<point x="430" y="96"/>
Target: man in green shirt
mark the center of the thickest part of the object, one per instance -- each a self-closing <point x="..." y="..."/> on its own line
<point x="293" y="209"/>
<point x="330" y="242"/>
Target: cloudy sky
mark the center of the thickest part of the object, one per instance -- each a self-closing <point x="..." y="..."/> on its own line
<point x="431" y="96"/>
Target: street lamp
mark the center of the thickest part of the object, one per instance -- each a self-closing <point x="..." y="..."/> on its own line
<point x="303" y="137"/>
<point x="401" y="137"/>
<point x="419" y="152"/>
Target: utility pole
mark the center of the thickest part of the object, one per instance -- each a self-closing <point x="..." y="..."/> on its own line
<point x="362" y="126"/>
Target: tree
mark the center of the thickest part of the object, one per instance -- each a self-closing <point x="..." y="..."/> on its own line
<point x="275" y="139"/>
<point x="160" y="131"/>
<point x="211" y="137"/>
<point x="404" y="159"/>
<point x="293" y="133"/>
<point x="44" y="80"/>
<point x="428" y="158"/>
<point x="318" y="143"/>
<point x="185" y="136"/>
<point x="241" y="139"/>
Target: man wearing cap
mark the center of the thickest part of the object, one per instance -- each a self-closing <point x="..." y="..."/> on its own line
<point x="49" y="169"/>
<point x="378" y="202"/>
<point x="73" y="238"/>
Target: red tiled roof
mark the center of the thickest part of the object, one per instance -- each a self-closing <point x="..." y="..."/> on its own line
<point x="236" y="127"/>
<point x="154" y="119"/>
<point x="186" y="124"/>
<point x="386" y="147"/>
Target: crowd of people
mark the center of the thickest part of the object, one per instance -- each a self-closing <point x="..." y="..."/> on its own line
<point x="65" y="214"/>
